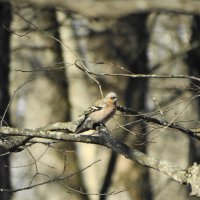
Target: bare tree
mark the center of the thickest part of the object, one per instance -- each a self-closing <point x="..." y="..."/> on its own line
<point x="65" y="55"/>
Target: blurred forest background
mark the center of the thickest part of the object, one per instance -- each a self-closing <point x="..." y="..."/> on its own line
<point x="40" y="44"/>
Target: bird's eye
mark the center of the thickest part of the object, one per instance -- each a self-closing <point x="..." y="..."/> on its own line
<point x="113" y="97"/>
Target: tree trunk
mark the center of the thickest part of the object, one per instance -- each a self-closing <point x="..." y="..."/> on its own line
<point x="113" y="44"/>
<point x="193" y="61"/>
<point x="166" y="101"/>
<point x="41" y="101"/>
<point x="5" y="19"/>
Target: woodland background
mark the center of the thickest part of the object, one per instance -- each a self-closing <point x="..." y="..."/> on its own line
<point x="42" y="43"/>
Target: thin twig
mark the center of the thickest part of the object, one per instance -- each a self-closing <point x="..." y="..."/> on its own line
<point x="6" y="110"/>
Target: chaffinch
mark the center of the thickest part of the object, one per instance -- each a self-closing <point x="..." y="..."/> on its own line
<point x="100" y="112"/>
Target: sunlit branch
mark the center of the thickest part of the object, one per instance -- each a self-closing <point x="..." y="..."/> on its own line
<point x="115" y="8"/>
<point x="105" y="139"/>
<point x="168" y="76"/>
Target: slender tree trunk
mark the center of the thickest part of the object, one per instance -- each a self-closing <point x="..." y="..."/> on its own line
<point x="115" y="43"/>
<point x="128" y="40"/>
<point x="193" y="61"/>
<point x="165" y="94"/>
<point x="5" y="19"/>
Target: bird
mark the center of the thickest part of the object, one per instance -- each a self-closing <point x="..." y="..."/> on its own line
<point x="100" y="113"/>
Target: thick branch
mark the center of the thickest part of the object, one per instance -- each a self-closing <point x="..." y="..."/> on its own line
<point x="109" y="141"/>
<point x="117" y="8"/>
<point x="105" y="139"/>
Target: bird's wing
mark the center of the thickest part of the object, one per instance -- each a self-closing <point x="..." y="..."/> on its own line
<point x="98" y="105"/>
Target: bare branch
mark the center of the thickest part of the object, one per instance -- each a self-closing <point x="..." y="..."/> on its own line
<point x="57" y="179"/>
<point x="116" y="8"/>
<point x="107" y="140"/>
<point x="130" y="75"/>
<point x="6" y="110"/>
<point x="195" y="133"/>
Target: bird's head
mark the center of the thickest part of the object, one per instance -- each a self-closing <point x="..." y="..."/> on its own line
<point x="111" y="96"/>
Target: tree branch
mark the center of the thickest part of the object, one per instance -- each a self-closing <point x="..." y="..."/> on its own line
<point x="116" y="8"/>
<point x="195" y="133"/>
<point x="107" y="140"/>
<point x="130" y="75"/>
